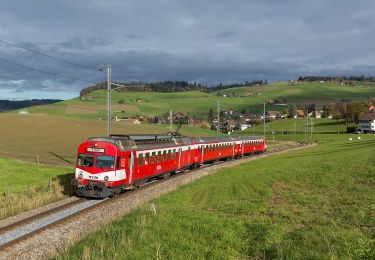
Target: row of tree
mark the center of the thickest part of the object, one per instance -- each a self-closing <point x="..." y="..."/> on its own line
<point x="6" y="105"/>
<point x="169" y="86"/>
<point x="337" y="78"/>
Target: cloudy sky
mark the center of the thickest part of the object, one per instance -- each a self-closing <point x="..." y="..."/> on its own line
<point x="207" y="41"/>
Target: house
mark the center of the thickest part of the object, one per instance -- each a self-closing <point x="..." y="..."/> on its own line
<point x="241" y="127"/>
<point x="128" y="120"/>
<point x="316" y="114"/>
<point x="300" y="113"/>
<point x="275" y="115"/>
<point x="23" y="112"/>
<point x="366" y="123"/>
<point x="272" y="114"/>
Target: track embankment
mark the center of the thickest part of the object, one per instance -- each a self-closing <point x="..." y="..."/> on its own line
<point x="57" y="236"/>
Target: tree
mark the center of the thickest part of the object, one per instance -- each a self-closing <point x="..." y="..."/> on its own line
<point x="210" y="115"/>
<point x="291" y="110"/>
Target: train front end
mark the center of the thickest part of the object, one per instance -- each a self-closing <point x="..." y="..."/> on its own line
<point x="98" y="170"/>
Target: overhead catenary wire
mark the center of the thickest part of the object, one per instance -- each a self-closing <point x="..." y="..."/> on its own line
<point x="47" y="55"/>
<point x="46" y="72"/>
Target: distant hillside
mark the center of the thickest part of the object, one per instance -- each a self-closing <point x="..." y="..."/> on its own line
<point x="6" y="105"/>
<point x="246" y="99"/>
<point x="169" y="86"/>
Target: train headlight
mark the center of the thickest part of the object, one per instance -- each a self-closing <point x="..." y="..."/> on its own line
<point x="106" y="178"/>
<point x="80" y="176"/>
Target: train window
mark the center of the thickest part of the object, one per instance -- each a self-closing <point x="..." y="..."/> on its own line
<point x="147" y="158"/>
<point x="105" y="162"/>
<point x="140" y="158"/>
<point x="86" y="160"/>
<point x="159" y="156"/>
<point x="169" y="154"/>
<point x="153" y="157"/>
<point x="164" y="158"/>
<point x="174" y="154"/>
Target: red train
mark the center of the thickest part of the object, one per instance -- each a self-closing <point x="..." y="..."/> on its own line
<point x="109" y="165"/>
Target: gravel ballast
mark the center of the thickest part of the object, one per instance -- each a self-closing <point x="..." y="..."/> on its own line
<point x="46" y="243"/>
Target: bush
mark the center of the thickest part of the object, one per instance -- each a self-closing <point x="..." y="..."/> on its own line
<point x="351" y="129"/>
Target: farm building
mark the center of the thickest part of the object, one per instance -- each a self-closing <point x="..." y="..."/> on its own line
<point x="300" y="113"/>
<point x="274" y="115"/>
<point x="128" y="120"/>
<point x="366" y="123"/>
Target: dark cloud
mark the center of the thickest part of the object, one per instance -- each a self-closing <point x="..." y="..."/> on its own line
<point x="209" y="41"/>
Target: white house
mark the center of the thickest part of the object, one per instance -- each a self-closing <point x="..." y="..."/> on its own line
<point x="23" y="112"/>
<point x="366" y="123"/>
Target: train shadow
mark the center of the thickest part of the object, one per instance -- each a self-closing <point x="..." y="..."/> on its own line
<point x="64" y="181"/>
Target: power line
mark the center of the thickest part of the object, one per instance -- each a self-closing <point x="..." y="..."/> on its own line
<point x="37" y="85"/>
<point x="46" y="55"/>
<point x="46" y="72"/>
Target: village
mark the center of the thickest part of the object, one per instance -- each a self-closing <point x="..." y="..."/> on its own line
<point x="231" y="120"/>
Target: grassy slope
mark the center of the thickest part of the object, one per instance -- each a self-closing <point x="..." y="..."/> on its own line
<point x="24" y="186"/>
<point x="317" y="203"/>
<point x="320" y="125"/>
<point x="198" y="103"/>
<point x="19" y="175"/>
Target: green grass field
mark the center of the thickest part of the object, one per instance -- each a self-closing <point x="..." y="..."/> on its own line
<point x="19" y="176"/>
<point x="291" y="126"/>
<point x="24" y="186"/>
<point x="199" y="103"/>
<point x="317" y="203"/>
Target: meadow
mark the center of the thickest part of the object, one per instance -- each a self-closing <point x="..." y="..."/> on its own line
<point x="316" y="203"/>
<point x="198" y="103"/>
<point x="54" y="140"/>
<point x="298" y="126"/>
<point x="24" y="186"/>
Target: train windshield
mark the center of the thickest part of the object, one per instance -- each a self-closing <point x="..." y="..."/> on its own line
<point x="85" y="160"/>
<point x="105" y="161"/>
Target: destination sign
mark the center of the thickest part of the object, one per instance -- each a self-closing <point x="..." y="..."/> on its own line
<point x="95" y="150"/>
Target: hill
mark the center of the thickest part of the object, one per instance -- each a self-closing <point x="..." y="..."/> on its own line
<point x="6" y="105"/>
<point x="196" y="103"/>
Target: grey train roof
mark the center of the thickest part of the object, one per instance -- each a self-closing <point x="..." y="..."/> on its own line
<point x="142" y="142"/>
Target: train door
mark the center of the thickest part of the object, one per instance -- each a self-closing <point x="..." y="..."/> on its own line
<point x="130" y="166"/>
<point x="179" y="157"/>
<point x="189" y="162"/>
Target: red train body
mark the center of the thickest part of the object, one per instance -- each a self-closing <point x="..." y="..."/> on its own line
<point x="109" y="165"/>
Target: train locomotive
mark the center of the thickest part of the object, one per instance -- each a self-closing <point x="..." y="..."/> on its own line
<point x="109" y="165"/>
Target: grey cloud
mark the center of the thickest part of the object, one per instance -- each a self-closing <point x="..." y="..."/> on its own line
<point x="209" y="41"/>
<point x="225" y="34"/>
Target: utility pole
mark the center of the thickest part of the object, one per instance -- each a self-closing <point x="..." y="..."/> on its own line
<point x="109" y="117"/>
<point x="307" y="125"/>
<point x="311" y="128"/>
<point x="170" y="120"/>
<point x="109" y="95"/>
<point x="264" y="119"/>
<point x="218" y="116"/>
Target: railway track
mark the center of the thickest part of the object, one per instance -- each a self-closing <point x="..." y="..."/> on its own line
<point x="16" y="232"/>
